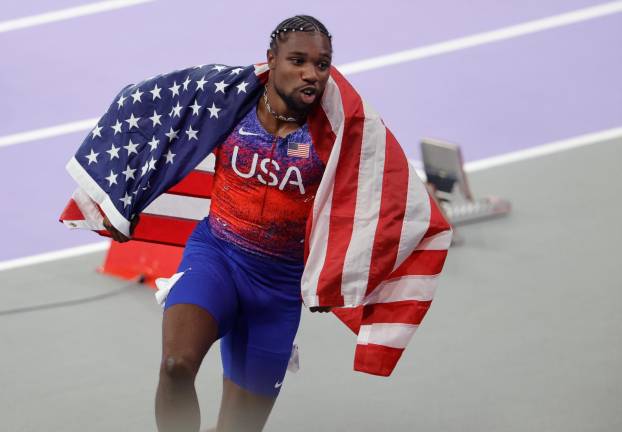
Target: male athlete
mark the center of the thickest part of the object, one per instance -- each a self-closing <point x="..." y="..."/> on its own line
<point x="243" y="264"/>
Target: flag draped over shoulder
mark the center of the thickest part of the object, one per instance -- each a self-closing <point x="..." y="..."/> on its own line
<point x="375" y="241"/>
<point x="152" y="136"/>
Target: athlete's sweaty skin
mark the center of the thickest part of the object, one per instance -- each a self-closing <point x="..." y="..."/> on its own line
<point x="299" y="71"/>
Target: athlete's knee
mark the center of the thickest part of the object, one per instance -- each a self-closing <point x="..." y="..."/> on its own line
<point x="179" y="366"/>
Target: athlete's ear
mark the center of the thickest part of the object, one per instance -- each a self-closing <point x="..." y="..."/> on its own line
<point x="271" y="57"/>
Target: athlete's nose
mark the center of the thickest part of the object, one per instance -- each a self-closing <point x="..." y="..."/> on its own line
<point x="309" y="74"/>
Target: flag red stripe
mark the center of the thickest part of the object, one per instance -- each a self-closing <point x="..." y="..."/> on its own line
<point x="376" y="359"/>
<point x="163" y="229"/>
<point x="350" y="317"/>
<point x="405" y="312"/>
<point x="391" y="215"/>
<point x="196" y="184"/>
<point x="71" y="212"/>
<point x="438" y="223"/>
<point x="263" y="76"/>
<point x="322" y="134"/>
<point x="424" y="263"/>
<point x="344" y="196"/>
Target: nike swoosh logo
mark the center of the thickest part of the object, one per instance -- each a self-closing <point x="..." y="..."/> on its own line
<point x="243" y="132"/>
<point x="278" y="384"/>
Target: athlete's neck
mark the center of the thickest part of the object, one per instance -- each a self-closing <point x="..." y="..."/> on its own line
<point x="270" y="123"/>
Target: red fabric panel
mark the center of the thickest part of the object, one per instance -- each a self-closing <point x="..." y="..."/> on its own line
<point x="321" y="133"/>
<point x="163" y="229"/>
<point x="391" y="216"/>
<point x="196" y="184"/>
<point x="71" y="212"/>
<point x="344" y="196"/>
<point x="425" y="263"/>
<point x="376" y="359"/>
<point x="405" y="312"/>
<point x="350" y="317"/>
<point x="438" y="223"/>
<point x="134" y="258"/>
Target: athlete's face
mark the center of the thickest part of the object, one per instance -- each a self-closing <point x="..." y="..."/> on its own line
<point x="299" y="69"/>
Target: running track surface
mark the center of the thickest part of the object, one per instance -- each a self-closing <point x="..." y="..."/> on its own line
<point x="491" y="99"/>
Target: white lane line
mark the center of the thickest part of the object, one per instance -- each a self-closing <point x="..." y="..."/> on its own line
<point x="514" y="31"/>
<point x="49" y="132"/>
<point x="544" y="150"/>
<point x="378" y="62"/>
<point x="64" y="14"/>
<point x="533" y="152"/>
<point x="480" y="165"/>
<point x="53" y="256"/>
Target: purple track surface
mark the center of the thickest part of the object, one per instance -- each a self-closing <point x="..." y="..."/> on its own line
<point x="491" y="99"/>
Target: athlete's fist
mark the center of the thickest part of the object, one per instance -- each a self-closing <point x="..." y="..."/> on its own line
<point x="115" y="233"/>
<point x="320" y="309"/>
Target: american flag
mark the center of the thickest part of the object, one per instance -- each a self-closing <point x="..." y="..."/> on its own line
<point x="300" y="150"/>
<point x="375" y="241"/>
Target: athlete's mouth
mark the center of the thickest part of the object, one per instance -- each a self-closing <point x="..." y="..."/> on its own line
<point x="308" y="94"/>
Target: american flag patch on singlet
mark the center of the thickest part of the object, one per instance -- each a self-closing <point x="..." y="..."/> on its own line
<point x="298" y="149"/>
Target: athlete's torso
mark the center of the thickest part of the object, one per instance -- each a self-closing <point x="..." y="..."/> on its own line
<point x="264" y="188"/>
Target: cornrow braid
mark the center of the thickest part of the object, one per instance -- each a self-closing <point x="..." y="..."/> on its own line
<point x="304" y="23"/>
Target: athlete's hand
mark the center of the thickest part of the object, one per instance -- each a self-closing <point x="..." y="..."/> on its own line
<point x="115" y="233"/>
<point x="320" y="309"/>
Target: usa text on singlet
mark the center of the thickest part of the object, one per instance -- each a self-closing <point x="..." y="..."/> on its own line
<point x="264" y="188"/>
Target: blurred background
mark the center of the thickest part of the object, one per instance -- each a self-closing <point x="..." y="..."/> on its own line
<point x="525" y="331"/>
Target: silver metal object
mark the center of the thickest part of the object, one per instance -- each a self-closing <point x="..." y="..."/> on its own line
<point x="443" y="166"/>
<point x="271" y="111"/>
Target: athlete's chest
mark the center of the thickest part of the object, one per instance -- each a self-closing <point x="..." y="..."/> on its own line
<point x="251" y="156"/>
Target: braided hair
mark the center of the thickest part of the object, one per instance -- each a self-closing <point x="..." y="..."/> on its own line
<point x="304" y="23"/>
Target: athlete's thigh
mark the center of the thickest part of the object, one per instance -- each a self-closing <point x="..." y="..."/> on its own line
<point x="188" y="331"/>
<point x="202" y="303"/>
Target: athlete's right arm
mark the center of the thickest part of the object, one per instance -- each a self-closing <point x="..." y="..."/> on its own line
<point x="115" y="233"/>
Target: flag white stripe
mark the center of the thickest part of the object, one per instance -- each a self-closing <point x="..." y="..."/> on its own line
<point x="261" y="68"/>
<point x="179" y="206"/>
<point x="332" y="105"/>
<point x="78" y="224"/>
<point x="93" y="218"/>
<point x="390" y="335"/>
<point x="94" y="191"/>
<point x="440" y="241"/>
<point x="416" y="217"/>
<point x="405" y="288"/>
<point x="208" y="164"/>
<point x="357" y="261"/>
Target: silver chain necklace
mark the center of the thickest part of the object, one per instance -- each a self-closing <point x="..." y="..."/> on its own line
<point x="271" y="111"/>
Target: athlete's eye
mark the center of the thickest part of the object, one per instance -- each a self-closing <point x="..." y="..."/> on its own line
<point x="297" y="60"/>
<point x="323" y="65"/>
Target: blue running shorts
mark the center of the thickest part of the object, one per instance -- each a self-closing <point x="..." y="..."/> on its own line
<point x="256" y="301"/>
